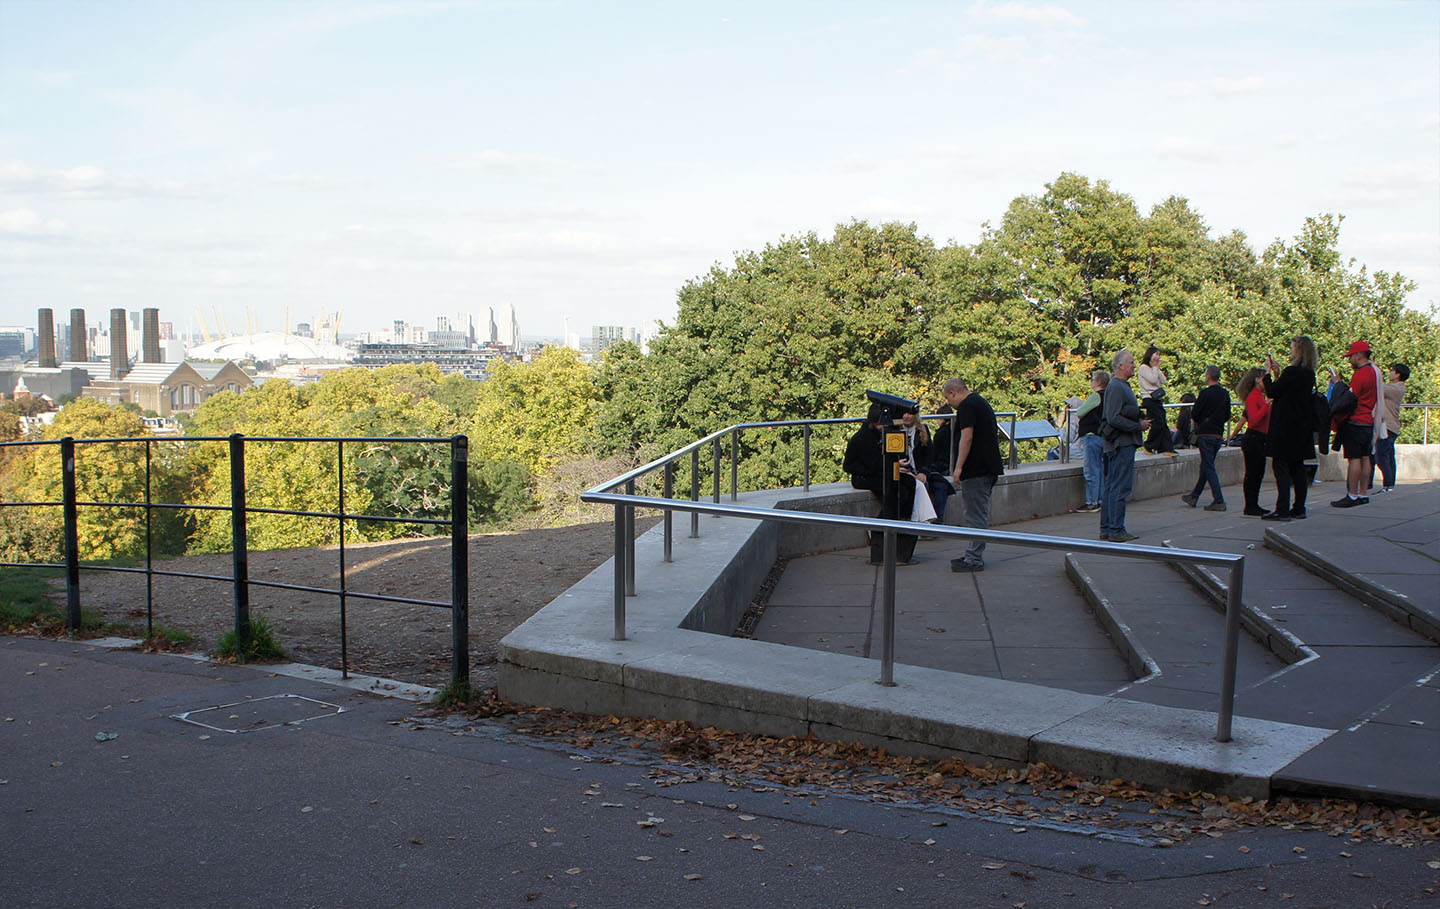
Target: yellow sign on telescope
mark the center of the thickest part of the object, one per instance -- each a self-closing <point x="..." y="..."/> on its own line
<point x="895" y="442"/>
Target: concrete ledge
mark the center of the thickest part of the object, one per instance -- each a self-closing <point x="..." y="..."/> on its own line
<point x="1257" y="624"/>
<point x="1175" y="749"/>
<point x="1135" y="654"/>
<point x="1372" y="593"/>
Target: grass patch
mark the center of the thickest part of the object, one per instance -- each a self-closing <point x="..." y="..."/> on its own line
<point x="261" y="645"/>
<point x="163" y="640"/>
<point x="457" y="695"/>
<point x="26" y="603"/>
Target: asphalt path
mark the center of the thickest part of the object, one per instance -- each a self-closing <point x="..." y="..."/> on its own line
<point x="106" y="799"/>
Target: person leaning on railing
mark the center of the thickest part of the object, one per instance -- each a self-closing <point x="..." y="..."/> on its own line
<point x="1092" y="446"/>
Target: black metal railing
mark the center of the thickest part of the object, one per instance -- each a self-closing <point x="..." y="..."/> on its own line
<point x="239" y="510"/>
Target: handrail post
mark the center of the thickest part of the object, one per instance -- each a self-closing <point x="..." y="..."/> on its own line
<point x="72" y="534"/>
<point x="669" y="512"/>
<point x="1065" y="412"/>
<point x="1232" y="645"/>
<point x="630" y="541"/>
<point x="694" y="492"/>
<point x="716" y="448"/>
<point x="149" y="550"/>
<point x="619" y="572"/>
<point x="1014" y="450"/>
<point x="887" y="618"/>
<point x="460" y="562"/>
<point x="239" y="545"/>
<point x="344" y="623"/>
<point x="807" y="457"/>
<point x="734" y="464"/>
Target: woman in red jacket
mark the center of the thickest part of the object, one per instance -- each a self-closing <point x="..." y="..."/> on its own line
<point x="1251" y="391"/>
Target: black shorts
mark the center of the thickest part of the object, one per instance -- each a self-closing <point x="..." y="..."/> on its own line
<point x="1355" y="440"/>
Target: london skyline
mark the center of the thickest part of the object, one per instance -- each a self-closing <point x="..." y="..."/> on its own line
<point x="587" y="161"/>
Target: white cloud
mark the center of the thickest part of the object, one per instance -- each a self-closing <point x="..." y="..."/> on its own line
<point x="23" y="222"/>
<point x="494" y="161"/>
<point x="1244" y="85"/>
<point x="85" y="181"/>
<point x="1040" y="15"/>
<point x="1193" y="149"/>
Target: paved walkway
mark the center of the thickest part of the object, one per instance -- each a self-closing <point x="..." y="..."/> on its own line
<point x="1346" y="662"/>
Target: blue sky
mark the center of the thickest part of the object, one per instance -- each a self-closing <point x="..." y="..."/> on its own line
<point x="419" y="159"/>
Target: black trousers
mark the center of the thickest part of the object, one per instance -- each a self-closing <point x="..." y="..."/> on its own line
<point x="904" y="542"/>
<point x="1290" y="476"/>
<point x="1159" y="438"/>
<point x="1252" y="444"/>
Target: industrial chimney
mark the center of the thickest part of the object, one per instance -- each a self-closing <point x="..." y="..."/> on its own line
<point x="47" y="339"/>
<point x="150" y="335"/>
<point x="119" y="345"/>
<point x="79" y="344"/>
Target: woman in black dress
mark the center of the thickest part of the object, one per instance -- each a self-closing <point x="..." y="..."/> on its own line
<point x="1291" y="440"/>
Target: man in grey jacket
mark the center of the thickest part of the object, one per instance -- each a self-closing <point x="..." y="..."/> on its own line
<point x="1123" y="431"/>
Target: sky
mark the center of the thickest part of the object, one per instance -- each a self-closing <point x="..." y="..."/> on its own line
<point x="584" y="160"/>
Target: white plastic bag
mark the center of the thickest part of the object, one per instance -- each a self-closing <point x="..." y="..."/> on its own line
<point x="923" y="510"/>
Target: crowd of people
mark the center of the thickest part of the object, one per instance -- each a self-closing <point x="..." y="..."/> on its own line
<point x="1284" y="420"/>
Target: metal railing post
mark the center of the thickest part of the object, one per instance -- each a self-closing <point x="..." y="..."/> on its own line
<point x="149" y="552"/>
<point x="1014" y="450"/>
<point x="619" y="572"/>
<point x="239" y="545"/>
<point x="887" y="645"/>
<point x="669" y="512"/>
<point x="72" y="534"/>
<point x="1232" y="645"/>
<point x="344" y="618"/>
<point x="807" y="457"/>
<point x="734" y="464"/>
<point x="694" y="492"/>
<point x="716" y="446"/>
<point x="459" y="562"/>
<point x="630" y="542"/>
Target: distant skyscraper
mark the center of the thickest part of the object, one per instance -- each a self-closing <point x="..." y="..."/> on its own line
<point x="45" y="347"/>
<point x="492" y="331"/>
<point x="119" y="348"/>
<point x="79" y="341"/>
<point x="508" y="328"/>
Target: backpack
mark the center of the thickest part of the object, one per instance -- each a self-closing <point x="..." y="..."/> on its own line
<point x="1320" y="417"/>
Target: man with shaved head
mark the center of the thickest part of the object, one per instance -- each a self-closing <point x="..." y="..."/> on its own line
<point x="977" y="464"/>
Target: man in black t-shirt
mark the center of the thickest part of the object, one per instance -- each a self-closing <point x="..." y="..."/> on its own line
<point x="977" y="465"/>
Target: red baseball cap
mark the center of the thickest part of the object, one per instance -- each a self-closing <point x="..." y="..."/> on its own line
<point x="1358" y="347"/>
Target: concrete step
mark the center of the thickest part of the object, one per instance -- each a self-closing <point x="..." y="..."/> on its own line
<point x="1174" y="638"/>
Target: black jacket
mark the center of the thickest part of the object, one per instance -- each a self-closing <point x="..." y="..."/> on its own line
<point x="1292" y="422"/>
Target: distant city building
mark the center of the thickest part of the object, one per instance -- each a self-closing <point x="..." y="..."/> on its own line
<point x="603" y="336"/>
<point x="272" y="347"/>
<point x="473" y="363"/>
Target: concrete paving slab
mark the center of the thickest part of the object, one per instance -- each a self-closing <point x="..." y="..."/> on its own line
<point x="1044" y="664"/>
<point x="1375" y="761"/>
<point x="1174" y="748"/>
<point x="832" y="642"/>
<point x="840" y="619"/>
<point x="936" y="652"/>
<point x="1417" y="707"/>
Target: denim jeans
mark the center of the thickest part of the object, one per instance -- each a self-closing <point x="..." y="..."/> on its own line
<point x="1209" y="448"/>
<point x="1094" y="447"/>
<point x="1119" y="480"/>
<point x="1385" y="459"/>
<point x="975" y="496"/>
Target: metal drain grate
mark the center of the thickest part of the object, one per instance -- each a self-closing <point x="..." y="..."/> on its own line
<point x="269" y="712"/>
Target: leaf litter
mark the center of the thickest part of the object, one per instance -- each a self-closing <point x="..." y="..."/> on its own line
<point x="1038" y="795"/>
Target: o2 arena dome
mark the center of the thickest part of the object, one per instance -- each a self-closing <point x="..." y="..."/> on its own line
<point x="272" y="346"/>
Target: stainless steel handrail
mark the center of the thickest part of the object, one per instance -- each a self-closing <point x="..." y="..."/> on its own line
<point x="624" y="560"/>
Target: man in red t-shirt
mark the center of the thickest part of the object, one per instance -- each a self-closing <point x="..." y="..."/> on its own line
<point x="1357" y="433"/>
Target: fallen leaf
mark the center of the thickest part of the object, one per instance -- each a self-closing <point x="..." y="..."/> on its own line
<point x="307" y="809"/>
<point x="693" y="877"/>
<point x="572" y="870"/>
<point x="644" y="858"/>
<point x="993" y="866"/>
<point x="1244" y="848"/>
<point x="747" y="817"/>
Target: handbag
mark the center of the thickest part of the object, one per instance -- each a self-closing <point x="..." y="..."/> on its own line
<point x="923" y="511"/>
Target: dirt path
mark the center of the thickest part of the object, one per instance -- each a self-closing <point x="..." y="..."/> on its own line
<point x="511" y="576"/>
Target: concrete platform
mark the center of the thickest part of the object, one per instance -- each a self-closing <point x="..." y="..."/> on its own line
<point x="671" y="666"/>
